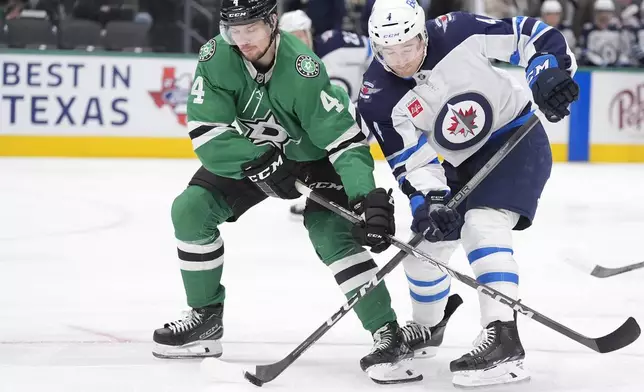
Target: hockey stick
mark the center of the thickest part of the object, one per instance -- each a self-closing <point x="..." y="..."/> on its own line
<point x="626" y="334"/>
<point x="605" y="272"/>
<point x="267" y="373"/>
<point x="599" y="271"/>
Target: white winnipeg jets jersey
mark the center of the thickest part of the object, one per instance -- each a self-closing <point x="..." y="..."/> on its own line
<point x="346" y="56"/>
<point x="457" y="101"/>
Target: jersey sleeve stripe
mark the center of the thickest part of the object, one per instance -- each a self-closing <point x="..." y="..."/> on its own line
<point x="349" y="135"/>
<point x="204" y="134"/>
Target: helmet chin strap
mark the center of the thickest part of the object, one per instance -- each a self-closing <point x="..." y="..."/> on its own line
<point x="274" y="33"/>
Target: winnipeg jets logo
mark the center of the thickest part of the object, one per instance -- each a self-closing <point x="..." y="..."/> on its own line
<point x="463" y="121"/>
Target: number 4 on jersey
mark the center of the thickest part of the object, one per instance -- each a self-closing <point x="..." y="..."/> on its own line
<point x="329" y="103"/>
<point x="197" y="90"/>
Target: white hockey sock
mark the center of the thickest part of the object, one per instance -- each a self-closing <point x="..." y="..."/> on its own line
<point x="487" y="239"/>
<point x="428" y="286"/>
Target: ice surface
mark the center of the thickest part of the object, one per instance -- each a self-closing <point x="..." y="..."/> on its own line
<point x="88" y="270"/>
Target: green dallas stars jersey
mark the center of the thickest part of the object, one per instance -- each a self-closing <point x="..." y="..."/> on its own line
<point x="293" y="106"/>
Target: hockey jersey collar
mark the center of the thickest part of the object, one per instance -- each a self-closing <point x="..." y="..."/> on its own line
<point x="263" y="78"/>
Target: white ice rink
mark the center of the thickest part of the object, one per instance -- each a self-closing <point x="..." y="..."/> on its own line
<point x="88" y="270"/>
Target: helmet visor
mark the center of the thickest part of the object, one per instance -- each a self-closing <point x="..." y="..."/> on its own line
<point x="245" y="34"/>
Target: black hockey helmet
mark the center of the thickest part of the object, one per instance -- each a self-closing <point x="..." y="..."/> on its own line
<point x="238" y="12"/>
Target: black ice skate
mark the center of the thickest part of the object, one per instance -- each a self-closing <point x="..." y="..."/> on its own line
<point x="389" y="361"/>
<point x="196" y="336"/>
<point x="424" y="341"/>
<point x="496" y="359"/>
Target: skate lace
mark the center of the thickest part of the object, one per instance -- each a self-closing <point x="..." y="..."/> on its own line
<point x="191" y="320"/>
<point x="413" y="332"/>
<point x="382" y="339"/>
<point x="484" y="340"/>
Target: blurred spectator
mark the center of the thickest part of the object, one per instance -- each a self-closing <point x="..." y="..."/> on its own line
<point x="504" y="8"/>
<point x="325" y="14"/>
<point x="436" y="8"/>
<point x="633" y="33"/>
<point x="364" y="17"/>
<point x="102" y="11"/>
<point x="601" y="42"/>
<point x="551" y="13"/>
<point x="20" y="8"/>
<point x="162" y="11"/>
<point x="12" y="9"/>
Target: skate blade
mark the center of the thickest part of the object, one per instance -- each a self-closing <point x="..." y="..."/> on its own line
<point x="503" y="373"/>
<point x="399" y="373"/>
<point x="425" y="353"/>
<point x="198" y="349"/>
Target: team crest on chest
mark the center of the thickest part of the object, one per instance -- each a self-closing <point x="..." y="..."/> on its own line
<point x="207" y="50"/>
<point x="463" y="121"/>
<point x="265" y="130"/>
<point x="307" y="66"/>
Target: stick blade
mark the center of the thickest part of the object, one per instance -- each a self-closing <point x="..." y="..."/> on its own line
<point x="626" y="334"/>
<point x="603" y="272"/>
<point x="267" y="373"/>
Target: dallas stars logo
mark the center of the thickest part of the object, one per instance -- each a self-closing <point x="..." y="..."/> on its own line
<point x="307" y="66"/>
<point x="207" y="50"/>
<point x="266" y="130"/>
<point x="463" y="122"/>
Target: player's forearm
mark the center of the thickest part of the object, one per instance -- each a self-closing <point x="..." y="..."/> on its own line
<point x="224" y="154"/>
<point x="355" y="167"/>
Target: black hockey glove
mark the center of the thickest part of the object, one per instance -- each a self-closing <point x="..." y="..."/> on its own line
<point x="274" y="174"/>
<point x="378" y="211"/>
<point x="553" y="90"/>
<point x="431" y="217"/>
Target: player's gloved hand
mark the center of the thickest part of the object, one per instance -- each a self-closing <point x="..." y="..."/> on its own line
<point x="377" y="208"/>
<point x="274" y="174"/>
<point x="553" y="88"/>
<point x="432" y="217"/>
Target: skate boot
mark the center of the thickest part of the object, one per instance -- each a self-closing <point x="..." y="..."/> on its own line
<point x="496" y="359"/>
<point x="424" y="341"/>
<point x="197" y="335"/>
<point x="389" y="361"/>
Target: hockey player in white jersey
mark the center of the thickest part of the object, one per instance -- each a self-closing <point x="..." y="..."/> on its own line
<point x="437" y="93"/>
<point x="346" y="56"/>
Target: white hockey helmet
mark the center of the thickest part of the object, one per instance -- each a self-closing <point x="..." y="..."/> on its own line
<point x="298" y="23"/>
<point x="551" y="7"/>
<point x="294" y="21"/>
<point x="394" y="22"/>
<point x="604" y="5"/>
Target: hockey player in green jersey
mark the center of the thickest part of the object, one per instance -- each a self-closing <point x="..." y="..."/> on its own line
<point x="262" y="112"/>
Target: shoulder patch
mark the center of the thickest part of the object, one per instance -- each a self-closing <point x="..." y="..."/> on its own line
<point x="307" y="66"/>
<point x="208" y="50"/>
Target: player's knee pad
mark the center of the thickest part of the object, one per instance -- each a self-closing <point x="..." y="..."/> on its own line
<point x="199" y="245"/>
<point x="195" y="215"/>
<point x="429" y="287"/>
<point x="487" y="240"/>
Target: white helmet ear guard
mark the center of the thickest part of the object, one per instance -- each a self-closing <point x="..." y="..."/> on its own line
<point x="393" y="22"/>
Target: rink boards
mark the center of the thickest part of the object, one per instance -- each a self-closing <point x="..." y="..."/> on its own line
<point x="73" y="104"/>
